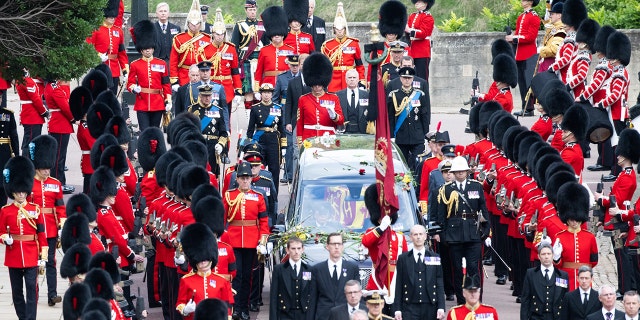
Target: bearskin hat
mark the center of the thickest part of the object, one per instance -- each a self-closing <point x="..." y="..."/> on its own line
<point x="190" y="178"/>
<point x="574" y="12"/>
<point x="100" y="284"/>
<point x="493" y="119"/>
<point x="600" y="42"/>
<point x="97" y="117"/>
<point x="634" y="112"/>
<point x="486" y="111"/>
<point x="162" y="164"/>
<point x="75" y="298"/>
<point x="111" y="10"/>
<point x="173" y="174"/>
<point x="107" y="72"/>
<point x="115" y="158"/>
<point x="539" y="84"/>
<point x="557" y="101"/>
<point x="576" y="120"/>
<point x="103" y="184"/>
<point x="275" y="21"/>
<point x="515" y="144"/>
<point x="189" y="135"/>
<point x="525" y="140"/>
<point x="199" y="244"/>
<point x="183" y="152"/>
<point x="532" y="159"/>
<point x="117" y="126"/>
<point x="18" y="176"/>
<point x="317" y="70"/>
<point x="371" y="202"/>
<point x="176" y="134"/>
<point x="105" y="261"/>
<point x="474" y="118"/>
<point x="500" y="128"/>
<point x="393" y="18"/>
<point x="40" y="151"/>
<point x="80" y="100"/>
<point x="180" y="121"/>
<point x="198" y="151"/>
<point x="501" y="46"/>
<point x="555" y="181"/>
<point x="628" y="145"/>
<point x="505" y="70"/>
<point x="109" y="98"/>
<point x="296" y="10"/>
<point x="508" y="141"/>
<point x="210" y="309"/>
<point x="557" y="167"/>
<point x="80" y="203"/>
<point x="429" y="3"/>
<point x="75" y="230"/>
<point x="97" y="309"/>
<point x="210" y="212"/>
<point x="151" y="146"/>
<point x="619" y="47"/>
<point x="144" y="35"/>
<point x="96" y="82"/>
<point x="101" y="144"/>
<point x="543" y="164"/>
<point x="573" y="202"/>
<point x="75" y="261"/>
<point x="92" y="314"/>
<point x="587" y="33"/>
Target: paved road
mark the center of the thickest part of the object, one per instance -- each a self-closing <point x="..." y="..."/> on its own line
<point x="498" y="296"/>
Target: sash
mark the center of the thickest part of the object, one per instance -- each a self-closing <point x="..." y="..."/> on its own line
<point x="267" y="123"/>
<point x="338" y="52"/>
<point x="252" y="44"/>
<point x="206" y="120"/>
<point x="405" y="113"/>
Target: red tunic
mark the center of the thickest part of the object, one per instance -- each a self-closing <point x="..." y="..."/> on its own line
<point x="200" y="286"/>
<point x="482" y="311"/>
<point x="271" y="63"/>
<point x="344" y="54"/>
<point x="112" y="230"/>
<point x="27" y="224"/>
<point x="572" y="154"/>
<point x="527" y="26"/>
<point x="85" y="141"/>
<point x="130" y="179"/>
<point x="623" y="189"/>
<point x="397" y="246"/>
<point x="153" y="76"/>
<point x="617" y="94"/>
<point x="188" y="49"/>
<point x="556" y="141"/>
<point x="96" y="245"/>
<point x="421" y="23"/>
<point x="502" y="96"/>
<point x="226" y="266"/>
<point x="428" y="165"/>
<point x="57" y="97"/>
<point x="577" y="73"/>
<point x="110" y="40"/>
<point x="48" y="196"/>
<point x="564" y="56"/>
<point x="313" y="116"/>
<point x="169" y="217"/>
<point x="301" y="42"/>
<point x="123" y="209"/>
<point x="31" y="102"/>
<point x="241" y="209"/>
<point x="543" y="126"/>
<point x="149" y="186"/>
<point x="600" y="76"/>
<point x="578" y="248"/>
<point x="225" y="69"/>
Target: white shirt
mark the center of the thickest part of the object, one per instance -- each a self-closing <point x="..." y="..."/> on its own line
<point x="338" y="269"/>
<point x="542" y="268"/>
<point x="415" y="254"/>
<point x="630" y="318"/>
<point x="582" y="292"/>
<point x="463" y="184"/>
<point x="604" y="313"/>
<point x="297" y="266"/>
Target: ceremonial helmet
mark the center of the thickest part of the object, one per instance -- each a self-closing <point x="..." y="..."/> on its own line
<point x="194" y="16"/>
<point x="218" y="24"/>
<point x="340" y="21"/>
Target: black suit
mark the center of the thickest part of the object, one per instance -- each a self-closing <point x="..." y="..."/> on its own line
<point x="285" y="301"/>
<point x="534" y="294"/>
<point x="294" y="91"/>
<point x="328" y="294"/>
<point x="597" y="315"/>
<point x="354" y="122"/>
<point x="573" y="309"/>
<point x="419" y="288"/>
<point x="342" y="312"/>
<point x="184" y="99"/>
<point x="165" y="40"/>
<point x="317" y="31"/>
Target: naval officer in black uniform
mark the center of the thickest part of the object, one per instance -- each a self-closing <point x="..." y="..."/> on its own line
<point x="212" y="120"/>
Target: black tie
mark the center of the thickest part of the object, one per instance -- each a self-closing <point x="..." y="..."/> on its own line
<point x="295" y="269"/>
<point x="309" y="22"/>
<point x="586" y="299"/>
<point x="353" y="309"/>
<point x="419" y="257"/>
<point x="461" y="187"/>
<point x="334" y="275"/>
<point x="353" y="99"/>
<point x="164" y="27"/>
<point x="546" y="274"/>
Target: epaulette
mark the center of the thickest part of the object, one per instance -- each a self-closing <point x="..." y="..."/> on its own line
<point x="224" y="242"/>
<point x="486" y="305"/>
<point x="189" y="274"/>
<point x="6" y="205"/>
<point x="458" y="306"/>
<point x="230" y="43"/>
<point x="134" y="61"/>
<point x="628" y="170"/>
<point x="473" y="180"/>
<point x="263" y="177"/>
<point x="393" y="91"/>
<point x="50" y="177"/>
<point x="353" y="39"/>
<point x="151" y="173"/>
<point x="104" y="211"/>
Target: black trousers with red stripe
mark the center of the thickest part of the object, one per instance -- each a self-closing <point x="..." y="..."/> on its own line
<point x="247" y="274"/>
<point x="31" y="131"/>
<point x="61" y="156"/>
<point x="25" y="309"/>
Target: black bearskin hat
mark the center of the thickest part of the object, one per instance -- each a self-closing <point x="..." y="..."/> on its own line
<point x="182" y="120"/>
<point x="190" y="178"/>
<point x="628" y="145"/>
<point x="525" y="140"/>
<point x="543" y="164"/>
<point x="202" y="191"/>
<point x="275" y="22"/>
<point x="96" y="81"/>
<point x="541" y="83"/>
<point x="41" y="151"/>
<point x="619" y="47"/>
<point x="371" y="202"/>
<point x="101" y="144"/>
<point x="317" y="70"/>
<point x="211" y="309"/>
<point x="109" y="98"/>
<point x="574" y="12"/>
<point x="486" y="111"/>
<point x="144" y="35"/>
<point x="174" y="172"/>
<point x="393" y="18"/>
<point x="600" y="43"/>
<point x="210" y="212"/>
<point x="557" y="167"/>
<point x="189" y="135"/>
<point x="501" y="46"/>
<point x="80" y="203"/>
<point x="100" y="284"/>
<point x="117" y="126"/>
<point x="531" y="158"/>
<point x="80" y="100"/>
<point x="18" y="176"/>
<point x="500" y="128"/>
<point x="97" y="117"/>
<point x="557" y="101"/>
<point x="555" y="181"/>
<point x="177" y="132"/>
<point x="151" y="146"/>
<point x="495" y="117"/>
<point x="509" y="139"/>
<point x="162" y="166"/>
<point x="576" y="120"/>
<point x="182" y="152"/>
<point x="199" y="244"/>
<point x="75" y="261"/>
<point x="103" y="184"/>
<point x="587" y="33"/>
<point x="297" y="10"/>
<point x="429" y="3"/>
<point x="107" y="72"/>
<point x="105" y="261"/>
<point x="96" y="309"/>
<point x="634" y="112"/>
<point x="505" y="70"/>
<point x="111" y="10"/>
<point x="573" y="202"/>
<point x="474" y="118"/>
<point x="75" y="298"/>
<point x="115" y="158"/>
<point x="198" y="151"/>
<point x="75" y="230"/>
<point x="92" y="314"/>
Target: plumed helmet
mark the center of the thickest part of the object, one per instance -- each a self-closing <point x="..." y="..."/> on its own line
<point x="393" y="18"/>
<point x="117" y="126"/>
<point x="619" y="48"/>
<point x="151" y="146"/>
<point x="18" y="176"/>
<point x="109" y="98"/>
<point x="41" y="151"/>
<point x="317" y="70"/>
<point x="97" y="117"/>
<point x="600" y="43"/>
<point x="219" y="26"/>
<point x="555" y="181"/>
<point x="573" y="202"/>
<point x="576" y="120"/>
<point x="75" y="230"/>
<point x="501" y="46"/>
<point x="144" y="35"/>
<point x="100" y="284"/>
<point x="275" y="22"/>
<point x="80" y="100"/>
<point x="574" y="12"/>
<point x="199" y="244"/>
<point x="103" y="184"/>
<point x="505" y="70"/>
<point x="75" y="298"/>
<point x="194" y="15"/>
<point x="371" y="202"/>
<point x="628" y="145"/>
<point x="101" y="144"/>
<point x="340" y="19"/>
<point x="210" y="309"/>
<point x="75" y="261"/>
<point x="105" y="261"/>
<point x="96" y="82"/>
<point x="81" y="203"/>
<point x="297" y="10"/>
<point x="210" y="212"/>
<point x="115" y="158"/>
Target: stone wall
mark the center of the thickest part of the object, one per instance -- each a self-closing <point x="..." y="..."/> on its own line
<point x="457" y="56"/>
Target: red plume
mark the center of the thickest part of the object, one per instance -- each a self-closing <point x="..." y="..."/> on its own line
<point x="153" y="144"/>
<point x="115" y="130"/>
<point x="438" y="127"/>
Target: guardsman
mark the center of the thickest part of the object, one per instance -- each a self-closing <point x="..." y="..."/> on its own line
<point x="272" y="57"/>
<point x="56" y="95"/>
<point x="472" y="290"/>
<point x="212" y="124"/>
<point x="224" y="68"/>
<point x="319" y="113"/>
<point x="148" y="78"/>
<point x="102" y="287"/>
<point x="300" y="41"/>
<point x="117" y="127"/>
<point x="115" y="159"/>
<point x="419" y="27"/>
<point x="201" y="248"/>
<point x="47" y="194"/>
<point x="505" y="75"/>
<point x="409" y="116"/>
<point x="554" y="34"/>
<point x="573" y="13"/>
<point x="108" y="41"/>
<point x="343" y="52"/>
<point x="574" y="132"/>
<point x="32" y="110"/>
<point x="266" y="127"/>
<point x="80" y="100"/>
<point x="463" y="213"/>
<point x="81" y="204"/>
<point x="392" y="21"/>
<point x="247" y="230"/>
<point x="246" y="37"/>
<point x="392" y="67"/>
<point x="22" y="232"/>
<point x="9" y="142"/>
<point x="579" y="66"/>
<point x="188" y="48"/>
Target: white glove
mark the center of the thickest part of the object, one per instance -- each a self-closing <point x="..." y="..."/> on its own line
<point x="385" y="223"/>
<point x="179" y="260"/>
<point x="218" y="148"/>
<point x="257" y="96"/>
<point x="269" y="247"/>
<point x="545" y="241"/>
<point x="42" y="263"/>
<point x="262" y="249"/>
<point x="189" y="308"/>
<point x="168" y="106"/>
<point x="332" y="114"/>
<point x="557" y="250"/>
<point x="487" y="242"/>
<point x="8" y="241"/>
<point x="136" y="88"/>
<point x="175" y="87"/>
<point x="284" y="152"/>
<point x="59" y="233"/>
<point x="237" y="100"/>
<point x="103" y="57"/>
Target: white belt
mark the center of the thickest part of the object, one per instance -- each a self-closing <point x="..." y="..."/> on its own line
<point x="86" y="152"/>
<point x="25" y="101"/>
<point x="54" y="110"/>
<point x="427" y="38"/>
<point x="319" y="127"/>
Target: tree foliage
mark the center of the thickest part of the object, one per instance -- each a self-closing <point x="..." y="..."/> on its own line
<point x="47" y="37"/>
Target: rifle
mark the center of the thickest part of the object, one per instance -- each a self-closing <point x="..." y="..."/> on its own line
<point x="141" y="312"/>
<point x="475" y="86"/>
<point x="614" y="219"/>
<point x="598" y="215"/>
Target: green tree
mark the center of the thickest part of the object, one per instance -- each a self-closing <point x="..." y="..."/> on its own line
<point x="48" y="37"/>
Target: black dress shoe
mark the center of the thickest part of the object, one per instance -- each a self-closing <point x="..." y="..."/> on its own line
<point x="155" y="304"/>
<point x="528" y="113"/>
<point x="587" y="154"/>
<point x="66" y="168"/>
<point x="609" y="178"/>
<point x="488" y="262"/>
<point x="52" y="301"/>
<point x="244" y="316"/>
<point x="502" y="280"/>
<point x="518" y="300"/>
<point x="450" y="297"/>
<point x="598" y="167"/>
<point x="254" y="308"/>
<point x="511" y="286"/>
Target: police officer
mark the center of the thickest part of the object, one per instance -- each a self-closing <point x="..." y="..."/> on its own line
<point x="266" y="127"/>
<point x="463" y="213"/>
<point x="246" y="37"/>
<point x="213" y="124"/>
